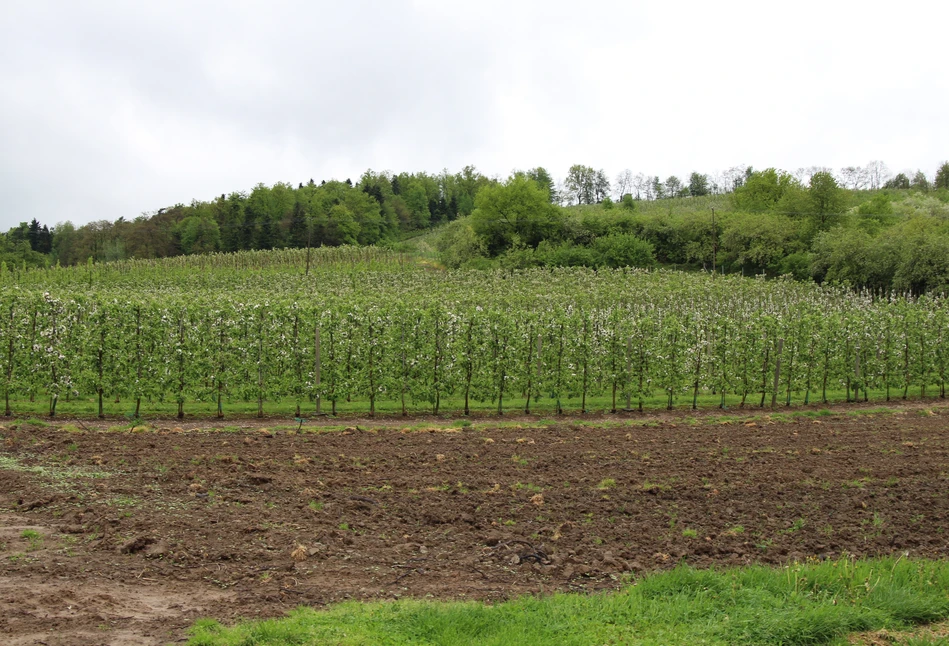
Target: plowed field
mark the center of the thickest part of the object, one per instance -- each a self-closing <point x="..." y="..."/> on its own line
<point x="111" y="536"/>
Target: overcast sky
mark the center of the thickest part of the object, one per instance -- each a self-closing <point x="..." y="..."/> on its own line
<point x="114" y="108"/>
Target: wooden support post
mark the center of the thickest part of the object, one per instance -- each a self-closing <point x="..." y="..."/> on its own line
<point x="316" y="367"/>
<point x="777" y="373"/>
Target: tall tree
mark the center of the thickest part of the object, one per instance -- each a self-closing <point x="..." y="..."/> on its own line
<point x="854" y="177"/>
<point x="877" y="174"/>
<point x="33" y="235"/>
<point x="517" y="212"/>
<point x="655" y="189"/>
<point x="673" y="186"/>
<point x="898" y="181"/>
<point x="698" y="184"/>
<point x="734" y="178"/>
<point x="231" y="221"/>
<point x="942" y="177"/>
<point x="762" y="190"/>
<point x="417" y="201"/>
<point x="921" y="182"/>
<point x="641" y="184"/>
<point x="624" y="184"/>
<point x="45" y="240"/>
<point x="581" y="184"/>
<point x="543" y="179"/>
<point x="601" y="186"/>
<point x="827" y="200"/>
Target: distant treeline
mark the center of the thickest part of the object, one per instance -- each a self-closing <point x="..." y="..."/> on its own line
<point x="380" y="207"/>
<point x="385" y="208"/>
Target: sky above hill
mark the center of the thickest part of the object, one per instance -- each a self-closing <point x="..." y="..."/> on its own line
<point x="110" y="109"/>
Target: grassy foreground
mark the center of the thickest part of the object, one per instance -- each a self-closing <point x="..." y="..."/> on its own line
<point x="451" y="406"/>
<point x="812" y="603"/>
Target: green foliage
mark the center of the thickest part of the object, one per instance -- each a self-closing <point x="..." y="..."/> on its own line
<point x="624" y="250"/>
<point x="900" y="182"/>
<point x="545" y="181"/>
<point x="942" y="177"/>
<point x="797" y="265"/>
<point x="910" y="257"/>
<point x="199" y="235"/>
<point x="517" y="212"/>
<point x="758" y="242"/>
<point x="917" y="204"/>
<point x="385" y="208"/>
<point x="878" y="207"/>
<point x="673" y="187"/>
<point x="458" y="244"/>
<point x="762" y="191"/>
<point x="377" y="209"/>
<point x="827" y="200"/>
<point x="19" y="254"/>
<point x="563" y="254"/>
<point x="584" y="185"/>
<point x="698" y="185"/>
<point x="921" y="182"/>
<point x="172" y="333"/>
<point x="813" y="603"/>
<point x="923" y="257"/>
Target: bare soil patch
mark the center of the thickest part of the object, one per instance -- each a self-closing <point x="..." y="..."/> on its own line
<point x="126" y="537"/>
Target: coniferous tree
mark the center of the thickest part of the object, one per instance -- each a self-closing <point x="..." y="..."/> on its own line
<point x="45" y="240"/>
<point x="33" y="234"/>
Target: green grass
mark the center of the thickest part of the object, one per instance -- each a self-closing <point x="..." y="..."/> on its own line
<point x="87" y="407"/>
<point x="606" y="483"/>
<point x="34" y="538"/>
<point x="814" y="603"/>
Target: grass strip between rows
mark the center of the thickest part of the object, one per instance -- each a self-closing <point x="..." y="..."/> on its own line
<point x="805" y="603"/>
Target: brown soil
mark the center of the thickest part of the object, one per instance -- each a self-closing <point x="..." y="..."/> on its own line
<point x="141" y="532"/>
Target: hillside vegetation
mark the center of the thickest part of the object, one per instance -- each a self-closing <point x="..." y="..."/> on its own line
<point x="884" y="239"/>
<point x="859" y="227"/>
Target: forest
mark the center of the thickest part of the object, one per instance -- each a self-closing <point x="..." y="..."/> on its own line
<point x="862" y="227"/>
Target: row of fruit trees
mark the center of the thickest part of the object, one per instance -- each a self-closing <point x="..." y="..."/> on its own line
<point x="418" y="339"/>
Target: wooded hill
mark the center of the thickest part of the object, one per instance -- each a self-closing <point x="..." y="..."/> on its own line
<point x="771" y="223"/>
<point x="859" y="225"/>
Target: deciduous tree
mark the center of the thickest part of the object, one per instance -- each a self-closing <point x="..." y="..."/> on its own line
<point x="624" y="184"/>
<point x="921" y="182"/>
<point x="827" y="200"/>
<point x="581" y="184"/>
<point x="698" y="184"/>
<point x="942" y="177"/>
<point x="877" y="174"/>
<point x="517" y="212"/>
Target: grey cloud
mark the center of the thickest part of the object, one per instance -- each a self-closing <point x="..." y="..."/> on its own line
<point x="110" y="108"/>
<point x="328" y="82"/>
